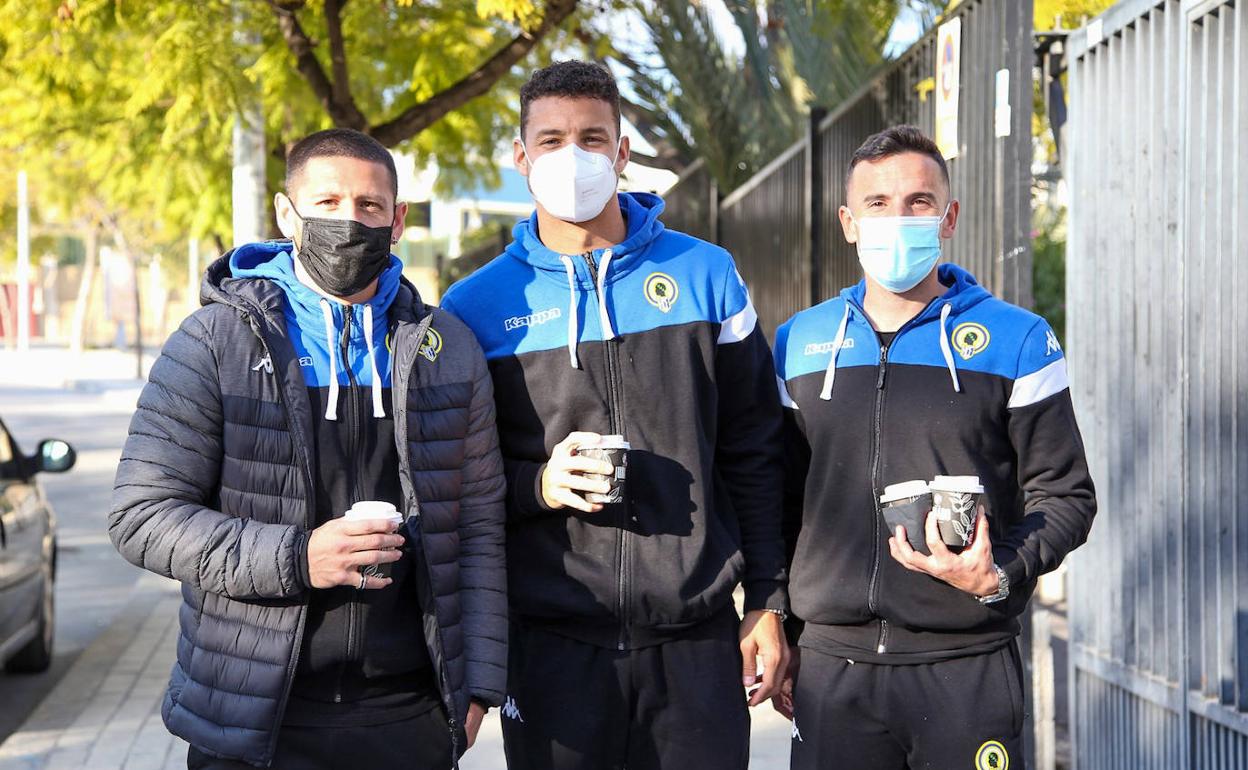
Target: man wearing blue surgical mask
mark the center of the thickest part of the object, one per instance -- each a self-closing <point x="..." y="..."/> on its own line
<point x="906" y="610"/>
<point x="627" y="650"/>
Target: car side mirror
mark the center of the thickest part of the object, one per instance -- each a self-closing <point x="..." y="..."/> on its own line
<point x="54" y="456"/>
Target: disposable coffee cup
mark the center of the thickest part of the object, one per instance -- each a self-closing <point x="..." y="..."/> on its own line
<point x="374" y="509"/>
<point x="613" y="449"/>
<point x="955" y="503"/>
<point x="907" y="504"/>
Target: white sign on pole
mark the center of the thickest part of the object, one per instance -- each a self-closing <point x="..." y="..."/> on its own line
<point x="948" y="85"/>
<point x="1003" y="114"/>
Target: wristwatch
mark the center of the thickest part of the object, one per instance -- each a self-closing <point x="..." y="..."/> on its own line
<point x="1003" y="587"/>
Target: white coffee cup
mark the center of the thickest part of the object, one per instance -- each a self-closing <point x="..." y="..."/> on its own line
<point x="374" y="509"/>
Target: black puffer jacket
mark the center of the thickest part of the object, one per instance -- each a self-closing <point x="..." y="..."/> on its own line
<point x="215" y="489"/>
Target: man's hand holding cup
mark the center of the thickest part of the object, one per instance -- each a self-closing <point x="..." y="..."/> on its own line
<point x="351" y="550"/>
<point x="581" y="467"/>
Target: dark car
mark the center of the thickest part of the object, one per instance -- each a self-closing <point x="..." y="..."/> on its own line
<point x="27" y="552"/>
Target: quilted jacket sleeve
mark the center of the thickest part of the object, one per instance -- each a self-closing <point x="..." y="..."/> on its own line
<point x="169" y="474"/>
<point x="482" y="566"/>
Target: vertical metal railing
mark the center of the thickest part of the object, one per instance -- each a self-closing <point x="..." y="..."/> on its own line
<point x="782" y="225"/>
<point x="1157" y="329"/>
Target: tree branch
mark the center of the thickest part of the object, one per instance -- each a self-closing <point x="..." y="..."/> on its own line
<point x="337" y="53"/>
<point x="334" y="97"/>
<point x="420" y="116"/>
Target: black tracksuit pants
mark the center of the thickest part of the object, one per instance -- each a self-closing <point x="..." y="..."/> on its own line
<point x="678" y="705"/>
<point x="953" y="714"/>
<point x="419" y="743"/>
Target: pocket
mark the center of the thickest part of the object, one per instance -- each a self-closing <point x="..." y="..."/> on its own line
<point x="1012" y="666"/>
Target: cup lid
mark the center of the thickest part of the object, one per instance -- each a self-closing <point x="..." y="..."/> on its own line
<point x="613" y="441"/>
<point x="903" y="490"/>
<point x="373" y="509"/>
<point x="969" y="484"/>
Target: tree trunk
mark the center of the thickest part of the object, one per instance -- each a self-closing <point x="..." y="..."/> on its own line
<point x="82" y="305"/>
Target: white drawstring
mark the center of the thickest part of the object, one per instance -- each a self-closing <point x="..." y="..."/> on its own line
<point x="604" y="317"/>
<point x="379" y="409"/>
<point x="573" y="330"/>
<point x="829" y="376"/>
<point x="331" y="406"/>
<point x="946" y="350"/>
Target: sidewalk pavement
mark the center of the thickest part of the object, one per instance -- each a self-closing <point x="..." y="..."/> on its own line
<point x="92" y="371"/>
<point x="105" y="713"/>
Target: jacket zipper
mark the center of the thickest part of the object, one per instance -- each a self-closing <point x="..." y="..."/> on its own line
<point x="308" y="521"/>
<point x="617" y="427"/>
<point x="352" y="415"/>
<point x="881" y="642"/>
<point x="878" y="421"/>
<point x="400" y="418"/>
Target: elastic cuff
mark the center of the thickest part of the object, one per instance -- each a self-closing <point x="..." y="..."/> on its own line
<point x="301" y="559"/>
<point x="490" y="700"/>
<point x="526" y="494"/>
<point x="766" y="595"/>
<point x="1014" y="566"/>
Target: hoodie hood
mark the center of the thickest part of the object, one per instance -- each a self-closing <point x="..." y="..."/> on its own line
<point x="641" y="215"/>
<point x="337" y="344"/>
<point x="963" y="293"/>
<point x="601" y="268"/>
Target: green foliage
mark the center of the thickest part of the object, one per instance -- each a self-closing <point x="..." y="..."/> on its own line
<point x="123" y="112"/>
<point x="739" y="112"/>
<point x="1071" y="13"/>
<point x="1048" y="267"/>
<point x="1049" y="221"/>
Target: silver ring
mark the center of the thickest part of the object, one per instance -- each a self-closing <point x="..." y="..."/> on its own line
<point x="363" y="580"/>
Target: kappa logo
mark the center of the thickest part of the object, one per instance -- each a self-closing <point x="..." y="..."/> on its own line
<point x="661" y="291"/>
<point x="818" y="348"/>
<point x="970" y="339"/>
<point x="533" y="319"/>
<point x="1051" y="344"/>
<point x="510" y="710"/>
<point x="265" y="363"/>
<point x="992" y="756"/>
<point x="797" y="734"/>
<point x="432" y="345"/>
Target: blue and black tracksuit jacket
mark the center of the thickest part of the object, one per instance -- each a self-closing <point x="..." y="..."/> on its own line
<point x="970" y="386"/>
<point x="656" y="339"/>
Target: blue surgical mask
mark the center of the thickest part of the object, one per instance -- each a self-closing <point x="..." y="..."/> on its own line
<point x="899" y="252"/>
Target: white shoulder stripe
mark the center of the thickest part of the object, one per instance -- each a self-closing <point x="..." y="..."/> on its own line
<point x="1038" y="386"/>
<point x="739" y="326"/>
<point x="785" y="399"/>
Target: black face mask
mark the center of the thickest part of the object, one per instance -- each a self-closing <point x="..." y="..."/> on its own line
<point x="343" y="256"/>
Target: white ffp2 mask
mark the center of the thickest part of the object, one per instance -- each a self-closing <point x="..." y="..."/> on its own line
<point x="573" y="184"/>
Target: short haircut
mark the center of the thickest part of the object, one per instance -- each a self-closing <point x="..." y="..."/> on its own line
<point x="895" y="141"/>
<point x="339" y="143"/>
<point x="573" y="79"/>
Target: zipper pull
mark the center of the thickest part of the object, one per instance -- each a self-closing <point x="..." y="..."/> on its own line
<point x="883" y="367"/>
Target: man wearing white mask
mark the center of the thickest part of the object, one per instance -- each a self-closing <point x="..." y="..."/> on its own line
<point x="626" y="648"/>
<point x="908" y="655"/>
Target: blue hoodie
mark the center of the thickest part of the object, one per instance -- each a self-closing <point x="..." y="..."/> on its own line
<point x="971" y="385"/>
<point x="654" y="338"/>
<point x="318" y="337"/>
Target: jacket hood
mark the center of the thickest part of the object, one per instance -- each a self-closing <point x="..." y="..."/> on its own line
<point x="336" y="343"/>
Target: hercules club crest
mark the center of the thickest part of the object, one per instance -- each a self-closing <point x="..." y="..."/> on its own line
<point x="661" y="291"/>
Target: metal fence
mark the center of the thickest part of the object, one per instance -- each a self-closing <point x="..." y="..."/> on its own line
<point x="1157" y="327"/>
<point x="782" y="225"/>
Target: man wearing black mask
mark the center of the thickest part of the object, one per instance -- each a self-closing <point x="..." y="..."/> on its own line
<point x="315" y="381"/>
